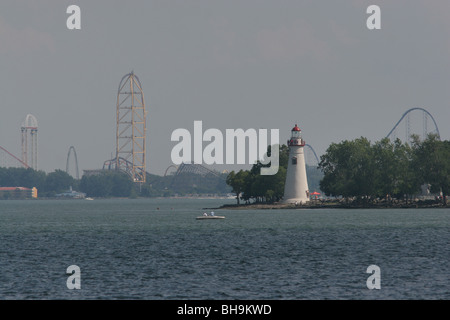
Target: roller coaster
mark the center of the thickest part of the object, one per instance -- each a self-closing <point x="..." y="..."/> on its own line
<point x="191" y="168"/>
<point x="7" y="159"/>
<point x="72" y="150"/>
<point x="311" y="157"/>
<point x="406" y="119"/>
<point x="130" y="130"/>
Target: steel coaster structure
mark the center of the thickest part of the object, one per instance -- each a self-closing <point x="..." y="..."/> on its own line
<point x="316" y="158"/>
<point x="72" y="148"/>
<point x="8" y="160"/>
<point x="130" y="130"/>
<point x="124" y="165"/>
<point x="195" y="169"/>
<point x="29" y="130"/>
<point x="406" y="117"/>
<point x="170" y="167"/>
<point x="192" y="168"/>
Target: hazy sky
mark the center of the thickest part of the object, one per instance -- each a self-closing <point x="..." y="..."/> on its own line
<point x="232" y="64"/>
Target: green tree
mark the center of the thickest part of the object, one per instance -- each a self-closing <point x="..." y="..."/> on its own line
<point x="58" y="181"/>
<point x="385" y="168"/>
<point x="393" y="174"/>
<point x="407" y="179"/>
<point x="237" y="182"/>
<point x="261" y="188"/>
<point x="432" y="163"/>
<point x="96" y="185"/>
<point x="107" y="184"/>
<point x="22" y="177"/>
<point x="32" y="178"/>
<point x="348" y="169"/>
<point x="11" y="177"/>
<point x="121" y="184"/>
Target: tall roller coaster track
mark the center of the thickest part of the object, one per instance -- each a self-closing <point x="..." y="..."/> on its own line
<point x="29" y="131"/>
<point x="407" y="121"/>
<point x="130" y="130"/>
<point x="8" y="160"/>
<point x="72" y="149"/>
<point x="311" y="156"/>
<point x="125" y="163"/>
<point x="191" y="168"/>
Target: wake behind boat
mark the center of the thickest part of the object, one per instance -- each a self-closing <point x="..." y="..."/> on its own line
<point x="206" y="216"/>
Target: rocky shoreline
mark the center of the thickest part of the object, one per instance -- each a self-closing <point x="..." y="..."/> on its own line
<point x="335" y="205"/>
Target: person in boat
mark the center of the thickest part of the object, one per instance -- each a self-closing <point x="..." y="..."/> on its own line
<point x="205" y="214"/>
<point x="212" y="213"/>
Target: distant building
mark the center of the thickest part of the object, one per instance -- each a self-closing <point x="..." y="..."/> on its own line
<point x="72" y="194"/>
<point x="17" y="193"/>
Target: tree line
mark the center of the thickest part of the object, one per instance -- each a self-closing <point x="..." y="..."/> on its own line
<point x="359" y="169"/>
<point x="350" y="169"/>
<point x="107" y="184"/>
<point x="47" y="184"/>
<point x="110" y="183"/>
<point x="386" y="169"/>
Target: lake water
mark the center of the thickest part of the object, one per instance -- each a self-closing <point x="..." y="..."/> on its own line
<point x="156" y="249"/>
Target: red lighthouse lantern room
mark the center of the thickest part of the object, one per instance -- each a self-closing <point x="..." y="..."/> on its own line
<point x="296" y="138"/>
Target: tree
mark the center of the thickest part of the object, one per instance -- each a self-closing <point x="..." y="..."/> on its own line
<point x="96" y="185"/>
<point x="393" y="174"/>
<point x="385" y="168"/>
<point x="355" y="168"/>
<point x="251" y="184"/>
<point x="432" y="163"/>
<point x="22" y="177"/>
<point x="32" y="178"/>
<point x="121" y="184"/>
<point x="237" y="182"/>
<point x="107" y="184"/>
<point x="58" y="181"/>
<point x="348" y="169"/>
<point x="407" y="180"/>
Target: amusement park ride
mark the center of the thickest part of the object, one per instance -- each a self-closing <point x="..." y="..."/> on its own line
<point x="130" y="130"/>
<point x="130" y="153"/>
<point x="29" y="130"/>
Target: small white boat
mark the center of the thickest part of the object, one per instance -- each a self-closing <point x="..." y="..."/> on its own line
<point x="88" y="198"/>
<point x="209" y="217"/>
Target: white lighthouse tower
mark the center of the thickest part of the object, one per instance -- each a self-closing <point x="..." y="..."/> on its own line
<point x="296" y="186"/>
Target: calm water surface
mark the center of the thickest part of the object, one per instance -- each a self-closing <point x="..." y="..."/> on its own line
<point x="156" y="249"/>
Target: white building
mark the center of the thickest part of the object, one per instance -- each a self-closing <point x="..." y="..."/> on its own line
<point x="296" y="186"/>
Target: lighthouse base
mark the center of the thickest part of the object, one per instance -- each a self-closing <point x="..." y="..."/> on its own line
<point x="296" y="201"/>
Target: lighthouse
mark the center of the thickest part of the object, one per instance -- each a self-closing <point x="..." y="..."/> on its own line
<point x="296" y="186"/>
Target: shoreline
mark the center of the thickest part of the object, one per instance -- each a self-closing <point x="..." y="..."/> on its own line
<point x="335" y="205"/>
